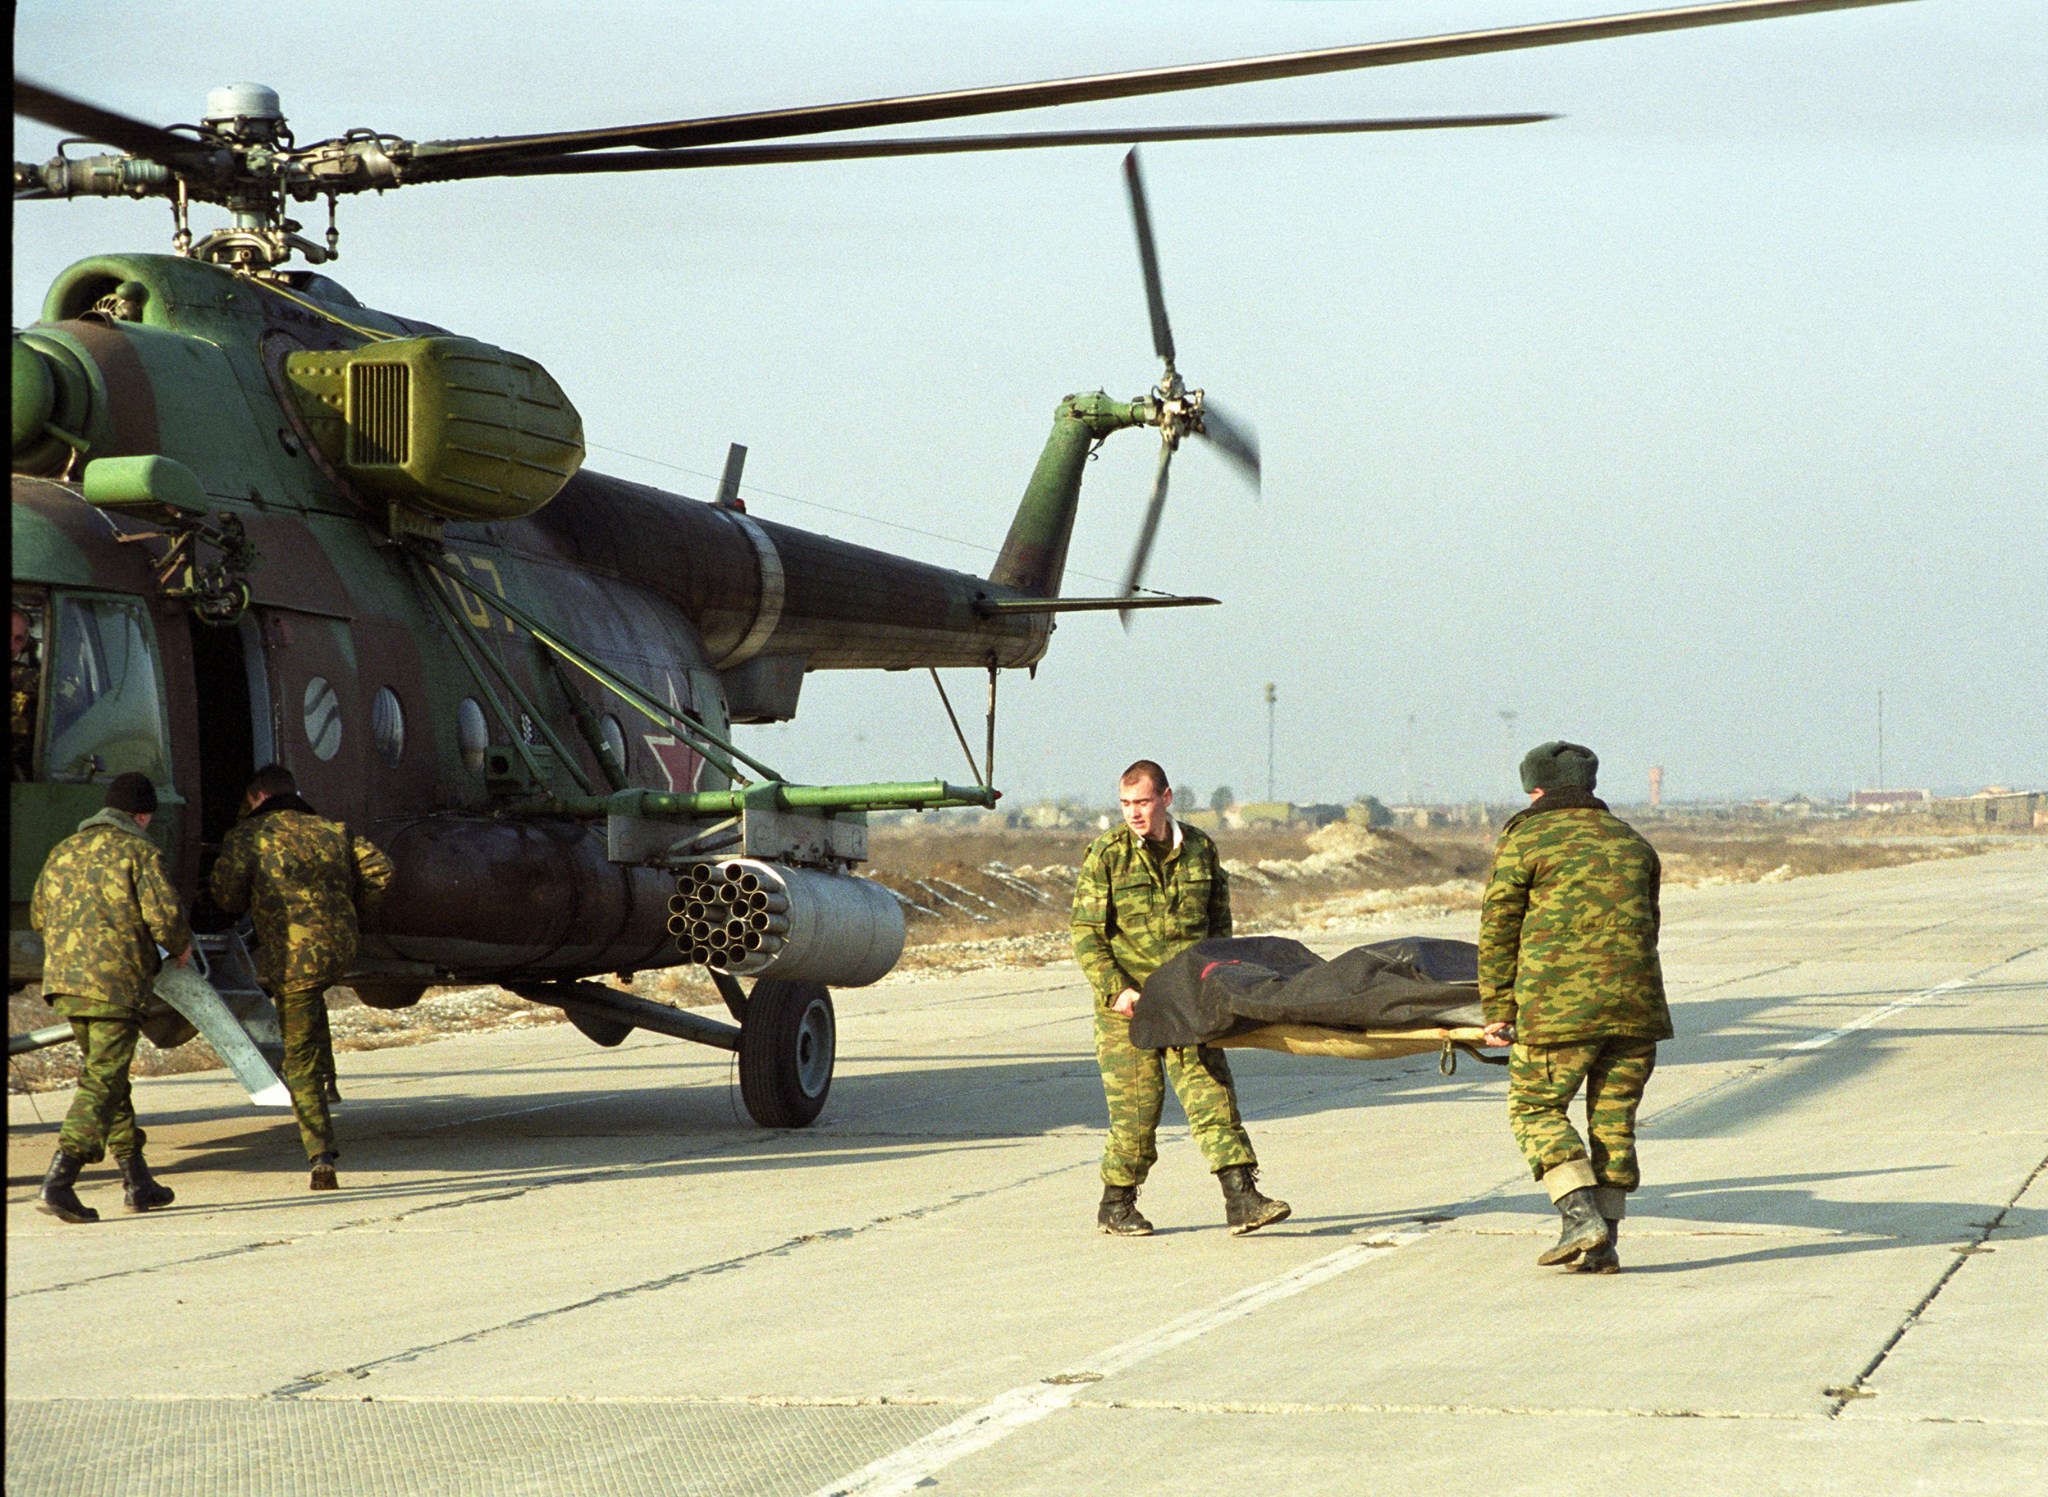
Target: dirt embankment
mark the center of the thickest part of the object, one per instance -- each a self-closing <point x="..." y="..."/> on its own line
<point x="977" y="898"/>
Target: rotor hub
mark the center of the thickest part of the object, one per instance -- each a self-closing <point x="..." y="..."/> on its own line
<point x="247" y="113"/>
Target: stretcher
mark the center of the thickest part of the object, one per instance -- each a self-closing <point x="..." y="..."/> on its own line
<point x="1378" y="1002"/>
<point x="1365" y="1044"/>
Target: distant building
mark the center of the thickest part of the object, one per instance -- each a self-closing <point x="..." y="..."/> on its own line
<point x="1888" y="800"/>
<point x="1368" y="812"/>
<point x="1418" y="816"/>
<point x="1279" y="813"/>
<point x="1994" y="806"/>
<point x="1049" y="815"/>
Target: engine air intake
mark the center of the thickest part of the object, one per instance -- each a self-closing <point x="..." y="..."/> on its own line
<point x="440" y="428"/>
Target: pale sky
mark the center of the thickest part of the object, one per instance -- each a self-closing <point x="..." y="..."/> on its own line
<point x="1681" y="426"/>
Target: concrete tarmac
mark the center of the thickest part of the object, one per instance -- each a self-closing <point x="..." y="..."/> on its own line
<point x="555" y="1268"/>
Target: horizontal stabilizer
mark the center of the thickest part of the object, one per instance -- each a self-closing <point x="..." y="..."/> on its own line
<point x="994" y="607"/>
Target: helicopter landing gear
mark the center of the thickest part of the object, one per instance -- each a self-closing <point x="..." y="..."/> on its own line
<point x="787" y="1045"/>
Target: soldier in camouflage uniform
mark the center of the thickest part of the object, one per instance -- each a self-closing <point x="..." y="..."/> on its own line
<point x="25" y="680"/>
<point x="1147" y="890"/>
<point x="1568" y="972"/>
<point x="304" y="879"/>
<point x="105" y="904"/>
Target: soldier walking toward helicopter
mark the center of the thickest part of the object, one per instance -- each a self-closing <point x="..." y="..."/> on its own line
<point x="304" y="879"/>
<point x="105" y="906"/>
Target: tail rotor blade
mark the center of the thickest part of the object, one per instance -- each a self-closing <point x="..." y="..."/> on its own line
<point x="1147" y="532"/>
<point x="1235" y="439"/>
<point x="1148" y="257"/>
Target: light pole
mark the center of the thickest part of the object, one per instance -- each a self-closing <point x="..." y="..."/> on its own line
<point x="1408" y="763"/>
<point x="1271" y="698"/>
<point x="1507" y="738"/>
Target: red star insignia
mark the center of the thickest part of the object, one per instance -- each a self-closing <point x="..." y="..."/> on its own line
<point x="679" y="762"/>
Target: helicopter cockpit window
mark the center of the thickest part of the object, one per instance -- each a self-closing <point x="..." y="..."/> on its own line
<point x="106" y="708"/>
<point x="387" y="725"/>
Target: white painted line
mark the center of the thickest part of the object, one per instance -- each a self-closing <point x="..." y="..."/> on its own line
<point x="1009" y="1412"/>
<point x="1879" y="1013"/>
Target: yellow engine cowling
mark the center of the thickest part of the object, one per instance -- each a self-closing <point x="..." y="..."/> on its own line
<point x="440" y="427"/>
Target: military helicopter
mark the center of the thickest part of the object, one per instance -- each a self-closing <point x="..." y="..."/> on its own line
<point x="255" y="521"/>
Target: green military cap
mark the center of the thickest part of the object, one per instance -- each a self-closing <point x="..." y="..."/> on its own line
<point x="1558" y="765"/>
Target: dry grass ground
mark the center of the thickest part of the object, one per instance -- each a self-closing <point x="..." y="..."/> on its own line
<point x="978" y="898"/>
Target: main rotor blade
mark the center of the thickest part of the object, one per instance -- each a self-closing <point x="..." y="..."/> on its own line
<point x="431" y="160"/>
<point x="946" y="145"/>
<point x="1234" y="439"/>
<point x="1148" y="260"/>
<point x="90" y="122"/>
<point x="1148" y="530"/>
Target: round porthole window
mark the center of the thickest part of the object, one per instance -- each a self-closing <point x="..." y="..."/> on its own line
<point x="323" y="718"/>
<point x="614" y="735"/>
<point x="387" y="726"/>
<point x="472" y="735"/>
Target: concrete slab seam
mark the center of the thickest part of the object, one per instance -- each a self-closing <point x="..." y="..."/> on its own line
<point x="313" y="1380"/>
<point x="479" y="1198"/>
<point x="1019" y="1407"/>
<point x="1512" y="1411"/>
<point x="1855" y="1388"/>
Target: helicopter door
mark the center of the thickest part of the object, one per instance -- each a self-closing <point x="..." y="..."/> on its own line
<point x="316" y="711"/>
<point x="236" y="736"/>
<point x="101" y="714"/>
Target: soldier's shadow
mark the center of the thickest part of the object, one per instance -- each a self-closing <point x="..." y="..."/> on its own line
<point x="1716" y="1211"/>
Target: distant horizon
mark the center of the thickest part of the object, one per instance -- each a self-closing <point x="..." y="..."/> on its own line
<point x="1828" y="798"/>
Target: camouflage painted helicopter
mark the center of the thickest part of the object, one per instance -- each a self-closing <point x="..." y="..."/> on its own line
<point x="255" y="520"/>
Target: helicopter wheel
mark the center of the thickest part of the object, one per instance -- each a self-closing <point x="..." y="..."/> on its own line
<point x="787" y="1045"/>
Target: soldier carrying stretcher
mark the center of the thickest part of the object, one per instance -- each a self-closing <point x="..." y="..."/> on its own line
<point x="1568" y="973"/>
<point x="1149" y="889"/>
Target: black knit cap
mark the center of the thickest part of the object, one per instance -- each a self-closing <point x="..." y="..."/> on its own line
<point x="133" y="792"/>
<point x="1558" y="765"/>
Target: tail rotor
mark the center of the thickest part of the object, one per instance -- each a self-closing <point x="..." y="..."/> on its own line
<point x="1175" y="409"/>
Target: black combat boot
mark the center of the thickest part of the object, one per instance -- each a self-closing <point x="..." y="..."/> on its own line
<point x="1603" y="1259"/>
<point x="323" y="1174"/>
<point x="58" y="1198"/>
<point x="1243" y="1207"/>
<point x="142" y="1192"/>
<point x="1118" y="1213"/>
<point x="1584" y="1227"/>
<point x="332" y="1091"/>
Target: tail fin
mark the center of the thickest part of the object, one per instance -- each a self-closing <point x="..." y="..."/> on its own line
<point x="1034" y="555"/>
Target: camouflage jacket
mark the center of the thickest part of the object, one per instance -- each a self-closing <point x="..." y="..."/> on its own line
<point x="303" y="878"/>
<point x="1133" y="908"/>
<point x="1568" y="929"/>
<point x="104" y="903"/>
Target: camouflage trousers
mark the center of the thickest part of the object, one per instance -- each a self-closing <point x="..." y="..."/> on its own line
<point x="1543" y="1079"/>
<point x="308" y="1061"/>
<point x="1135" y="1080"/>
<point x="102" y="1114"/>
